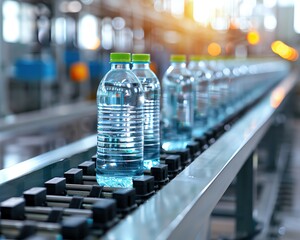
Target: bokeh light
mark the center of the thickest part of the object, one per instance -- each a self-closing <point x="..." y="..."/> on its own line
<point x="214" y="49"/>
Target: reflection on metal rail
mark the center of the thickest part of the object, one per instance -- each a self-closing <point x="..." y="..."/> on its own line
<point x="37" y="163"/>
<point x="81" y="116"/>
<point x="29" y="122"/>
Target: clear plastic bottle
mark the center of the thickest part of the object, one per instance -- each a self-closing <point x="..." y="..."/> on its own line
<point x="202" y="76"/>
<point x="234" y="90"/>
<point x="120" y="100"/>
<point x="178" y="105"/>
<point x="216" y="112"/>
<point x="151" y="85"/>
<point x="226" y="87"/>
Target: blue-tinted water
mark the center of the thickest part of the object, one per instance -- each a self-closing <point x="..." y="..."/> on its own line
<point x="178" y="111"/>
<point x="151" y="124"/>
<point x="120" y="130"/>
<point x="151" y="88"/>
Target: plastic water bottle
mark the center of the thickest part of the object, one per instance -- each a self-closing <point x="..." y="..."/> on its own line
<point x="120" y="100"/>
<point x="226" y="87"/>
<point x="234" y="86"/>
<point x="178" y="105"/>
<point x="216" y="112"/>
<point x="151" y="85"/>
<point x="202" y="76"/>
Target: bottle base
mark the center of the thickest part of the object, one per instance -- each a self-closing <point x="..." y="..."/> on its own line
<point x="174" y="145"/>
<point x="199" y="132"/>
<point x="148" y="164"/>
<point x="118" y="182"/>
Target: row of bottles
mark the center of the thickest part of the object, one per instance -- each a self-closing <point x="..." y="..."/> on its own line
<point x="207" y="91"/>
<point x="178" y="105"/>
<point x="195" y="98"/>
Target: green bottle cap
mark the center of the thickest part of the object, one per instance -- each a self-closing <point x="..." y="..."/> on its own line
<point x="140" y="57"/>
<point x="197" y="57"/>
<point x="177" y="58"/>
<point x="120" y="57"/>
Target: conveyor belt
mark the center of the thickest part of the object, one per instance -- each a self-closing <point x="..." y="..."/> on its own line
<point x="174" y="210"/>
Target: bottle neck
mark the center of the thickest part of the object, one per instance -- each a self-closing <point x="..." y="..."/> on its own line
<point x="178" y="64"/>
<point x="140" y="66"/>
<point x="124" y="65"/>
<point x="202" y="63"/>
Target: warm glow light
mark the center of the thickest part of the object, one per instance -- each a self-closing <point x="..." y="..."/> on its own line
<point x="213" y="12"/>
<point x="202" y="11"/>
<point x="79" y="72"/>
<point x="253" y="37"/>
<point x="96" y="44"/>
<point x="276" y="97"/>
<point x="177" y="8"/>
<point x="294" y="56"/>
<point x="214" y="49"/>
<point x="285" y="51"/>
<point x="275" y="45"/>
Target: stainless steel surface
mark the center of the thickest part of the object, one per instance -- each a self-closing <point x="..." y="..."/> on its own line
<point x="288" y="214"/>
<point x="39" y="162"/>
<point x="267" y="202"/>
<point x="26" y="135"/>
<point x="271" y="181"/>
<point x="25" y="123"/>
<point x="181" y="208"/>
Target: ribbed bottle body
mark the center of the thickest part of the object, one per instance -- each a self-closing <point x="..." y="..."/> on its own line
<point x="216" y="111"/>
<point x="120" y="101"/>
<point x="201" y="92"/>
<point x="152" y="91"/>
<point x="178" y="107"/>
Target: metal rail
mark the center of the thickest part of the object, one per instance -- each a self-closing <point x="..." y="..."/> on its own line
<point x="35" y="171"/>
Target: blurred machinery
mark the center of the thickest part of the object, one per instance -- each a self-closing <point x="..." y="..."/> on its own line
<point x="43" y="41"/>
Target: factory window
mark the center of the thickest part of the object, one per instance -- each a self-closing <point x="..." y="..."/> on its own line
<point x="286" y="3"/>
<point x="27" y="23"/>
<point x="177" y="8"/>
<point x="11" y="22"/>
<point x="60" y="30"/>
<point x="107" y="33"/>
<point x="297" y="16"/>
<point x="202" y="11"/>
<point x="270" y="22"/>
<point x="88" y="32"/>
<point x="18" y="22"/>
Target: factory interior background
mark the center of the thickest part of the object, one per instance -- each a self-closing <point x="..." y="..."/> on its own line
<point x="53" y="54"/>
